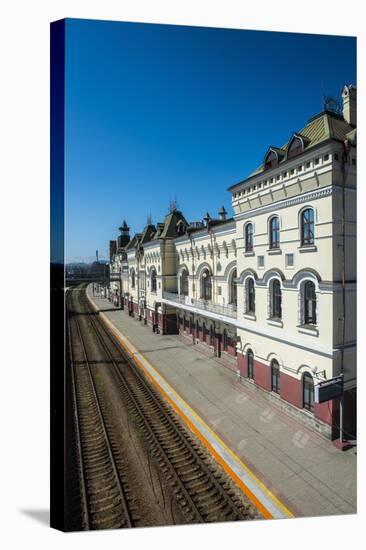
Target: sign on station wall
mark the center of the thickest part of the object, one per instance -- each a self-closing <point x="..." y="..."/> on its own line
<point x="328" y="389"/>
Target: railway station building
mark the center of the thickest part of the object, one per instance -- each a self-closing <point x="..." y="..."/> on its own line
<point x="271" y="290"/>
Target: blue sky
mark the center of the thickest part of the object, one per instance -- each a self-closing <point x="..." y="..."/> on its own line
<point x="158" y="111"/>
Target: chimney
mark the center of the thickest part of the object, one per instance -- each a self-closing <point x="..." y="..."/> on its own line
<point x="222" y="213"/>
<point x="349" y="96"/>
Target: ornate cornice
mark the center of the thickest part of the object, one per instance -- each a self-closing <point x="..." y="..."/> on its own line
<point x="285" y="203"/>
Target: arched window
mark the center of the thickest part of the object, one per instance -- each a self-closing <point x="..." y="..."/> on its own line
<point x="250" y="362"/>
<point x="274" y="232"/>
<point x="308" y="391"/>
<point x="184" y="283"/>
<point x="249" y="237"/>
<point x="275" y="376"/>
<point x="307" y="226"/>
<point x="309" y="303"/>
<point x="224" y="340"/>
<point x="133" y="278"/>
<point x="206" y="285"/>
<point x="276" y="300"/>
<point x="153" y="281"/>
<point x="233" y="298"/>
<point x="249" y="297"/>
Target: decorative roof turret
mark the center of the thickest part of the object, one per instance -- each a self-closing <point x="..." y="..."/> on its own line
<point x="222" y="213"/>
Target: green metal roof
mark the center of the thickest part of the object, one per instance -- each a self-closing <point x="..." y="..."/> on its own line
<point x="324" y="126"/>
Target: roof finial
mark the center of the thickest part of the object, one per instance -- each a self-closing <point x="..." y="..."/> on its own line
<point x="207" y="219"/>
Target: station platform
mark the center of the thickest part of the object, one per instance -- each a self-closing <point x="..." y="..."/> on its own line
<point x="285" y="468"/>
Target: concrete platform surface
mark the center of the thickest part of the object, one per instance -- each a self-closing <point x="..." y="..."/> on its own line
<point x="286" y="468"/>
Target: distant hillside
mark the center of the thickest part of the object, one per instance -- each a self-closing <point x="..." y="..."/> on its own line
<point x="82" y="269"/>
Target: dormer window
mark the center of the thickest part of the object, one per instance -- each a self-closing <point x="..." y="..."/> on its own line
<point x="271" y="160"/>
<point x="181" y="227"/>
<point x="296" y="147"/>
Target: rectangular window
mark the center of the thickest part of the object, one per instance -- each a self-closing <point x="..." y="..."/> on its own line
<point x="292" y="171"/>
<point x="289" y="258"/>
<point x="316" y="162"/>
<point x="299" y="168"/>
<point x="353" y="162"/>
<point x="219" y="290"/>
<point x="308" y="164"/>
<point x="278" y="177"/>
<point x="260" y="261"/>
<point x="335" y="156"/>
<point x="325" y="158"/>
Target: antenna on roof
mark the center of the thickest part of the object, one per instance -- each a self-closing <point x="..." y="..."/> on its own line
<point x="149" y="219"/>
<point x="173" y="205"/>
<point x="332" y="105"/>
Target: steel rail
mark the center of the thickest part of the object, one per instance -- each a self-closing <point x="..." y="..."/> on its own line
<point x="127" y="513"/>
<point x="183" y="440"/>
<point x="82" y="477"/>
<point x="137" y="406"/>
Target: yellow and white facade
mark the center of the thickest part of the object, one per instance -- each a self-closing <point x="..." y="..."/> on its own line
<point x="273" y="288"/>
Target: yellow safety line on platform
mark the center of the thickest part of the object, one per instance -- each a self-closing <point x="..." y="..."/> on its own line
<point x="124" y="341"/>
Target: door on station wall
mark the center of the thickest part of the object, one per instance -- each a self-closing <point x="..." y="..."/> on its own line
<point x="250" y="363"/>
<point x="155" y="317"/>
<point x="197" y="330"/>
<point x="275" y="376"/>
<point x="212" y="336"/>
<point x="218" y="344"/>
<point x="224" y="340"/>
<point x="308" y="392"/>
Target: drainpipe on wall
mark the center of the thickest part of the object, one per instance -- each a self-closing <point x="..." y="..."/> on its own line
<point x="213" y="260"/>
<point x="345" y="156"/>
<point x="193" y="280"/>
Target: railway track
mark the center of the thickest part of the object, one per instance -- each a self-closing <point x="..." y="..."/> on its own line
<point x="104" y="493"/>
<point x="202" y="492"/>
